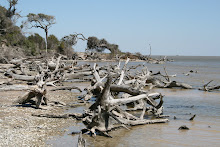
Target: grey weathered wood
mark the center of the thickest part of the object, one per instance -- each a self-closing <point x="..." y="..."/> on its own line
<point x="66" y="88"/>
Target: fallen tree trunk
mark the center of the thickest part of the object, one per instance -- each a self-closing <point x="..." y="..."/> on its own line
<point x="20" y="77"/>
<point x="6" y="66"/>
<point x="133" y="99"/>
<point x="14" y="87"/>
<point x="125" y="88"/>
<point x="118" y="88"/>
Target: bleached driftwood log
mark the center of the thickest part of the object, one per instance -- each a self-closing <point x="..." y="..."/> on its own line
<point x="10" y="74"/>
<point x="107" y="114"/>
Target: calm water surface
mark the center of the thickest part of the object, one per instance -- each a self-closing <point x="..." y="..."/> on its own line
<point x="204" y="130"/>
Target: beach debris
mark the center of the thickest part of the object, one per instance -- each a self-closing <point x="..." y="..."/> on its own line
<point x="183" y="127"/>
<point x="209" y="88"/>
<point x="106" y="114"/>
<point x="191" y="119"/>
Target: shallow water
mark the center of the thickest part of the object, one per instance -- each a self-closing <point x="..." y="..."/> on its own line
<point x="183" y="104"/>
<point x="204" y="129"/>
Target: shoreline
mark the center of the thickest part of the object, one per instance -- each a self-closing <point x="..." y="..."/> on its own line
<point x="19" y="127"/>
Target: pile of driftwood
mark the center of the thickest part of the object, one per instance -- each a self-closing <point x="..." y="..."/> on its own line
<point x="116" y="89"/>
<point x="34" y="75"/>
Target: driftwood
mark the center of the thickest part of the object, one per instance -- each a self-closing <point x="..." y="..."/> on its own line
<point x="77" y="116"/>
<point x="132" y="99"/>
<point x="7" y="66"/>
<point x="47" y="75"/>
<point x="176" y="84"/>
<point x="209" y="88"/>
<point x="127" y="89"/>
<point x="212" y="88"/>
<point x="20" y="77"/>
<point x="122" y="74"/>
<point x="107" y="115"/>
<point x="191" y="119"/>
<point x="184" y="127"/>
<point x="97" y="88"/>
<point x="38" y="92"/>
<point x="14" y="87"/>
<point x="66" y="88"/>
<point x="166" y="84"/>
<point x="140" y="122"/>
<point x="77" y="75"/>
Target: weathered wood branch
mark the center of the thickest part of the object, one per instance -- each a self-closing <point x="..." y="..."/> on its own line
<point x="77" y="116"/>
<point x="176" y="84"/>
<point x="14" y="87"/>
<point x="132" y="99"/>
<point x="126" y="88"/>
<point x="123" y="72"/>
<point x="66" y="88"/>
<point x="139" y="122"/>
<point x="19" y="77"/>
<point x="191" y="119"/>
<point x="209" y="88"/>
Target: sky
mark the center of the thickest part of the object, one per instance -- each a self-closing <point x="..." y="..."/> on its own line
<point x="171" y="27"/>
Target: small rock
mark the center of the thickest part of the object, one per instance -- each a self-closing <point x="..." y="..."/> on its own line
<point x="209" y="126"/>
<point x="184" y="127"/>
<point x="174" y="117"/>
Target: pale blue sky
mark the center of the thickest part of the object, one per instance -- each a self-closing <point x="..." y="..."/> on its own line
<point x="172" y="27"/>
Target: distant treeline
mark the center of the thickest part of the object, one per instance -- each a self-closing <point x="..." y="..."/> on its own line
<point x="12" y="35"/>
